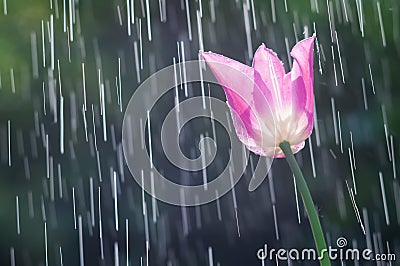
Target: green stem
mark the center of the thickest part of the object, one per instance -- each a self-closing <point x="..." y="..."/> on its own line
<point x="316" y="228"/>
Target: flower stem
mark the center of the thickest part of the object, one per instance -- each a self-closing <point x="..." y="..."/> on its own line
<point x="316" y="228"/>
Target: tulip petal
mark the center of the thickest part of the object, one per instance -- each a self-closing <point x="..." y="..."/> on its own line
<point x="272" y="72"/>
<point x="302" y="87"/>
<point x="244" y="120"/>
<point x="302" y="54"/>
<point x="238" y="82"/>
<point x="270" y="152"/>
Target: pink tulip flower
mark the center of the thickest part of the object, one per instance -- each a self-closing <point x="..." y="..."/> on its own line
<point x="268" y="105"/>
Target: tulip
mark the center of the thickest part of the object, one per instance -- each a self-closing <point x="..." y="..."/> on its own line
<point x="288" y="98"/>
<point x="273" y="111"/>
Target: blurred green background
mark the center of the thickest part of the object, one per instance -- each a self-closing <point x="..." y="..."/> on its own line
<point x="100" y="39"/>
